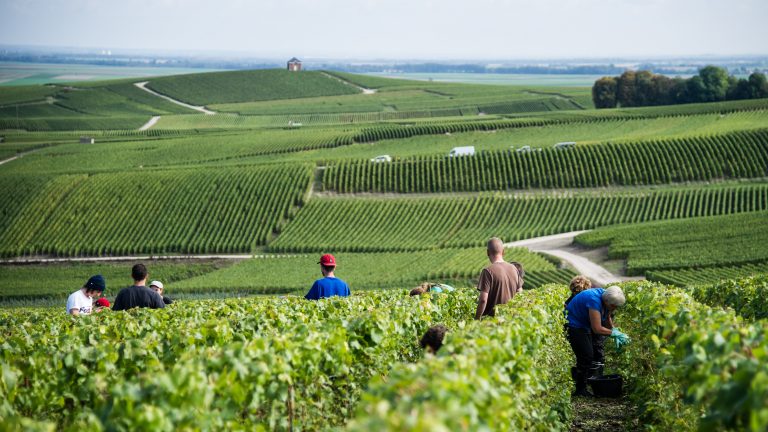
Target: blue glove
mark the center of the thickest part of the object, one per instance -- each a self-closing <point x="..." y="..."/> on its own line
<point x="619" y="338"/>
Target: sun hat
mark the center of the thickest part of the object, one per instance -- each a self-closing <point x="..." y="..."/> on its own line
<point x="328" y="260"/>
<point x="96" y="283"/>
<point x="157" y="284"/>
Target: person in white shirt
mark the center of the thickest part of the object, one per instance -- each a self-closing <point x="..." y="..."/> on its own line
<point x="80" y="302"/>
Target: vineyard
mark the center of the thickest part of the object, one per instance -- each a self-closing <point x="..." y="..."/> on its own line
<point x="261" y="364"/>
<point x="245" y="86"/>
<point x="186" y="211"/>
<point x="730" y="240"/>
<point x="400" y="224"/>
<point x="291" y="273"/>
<point x="735" y="155"/>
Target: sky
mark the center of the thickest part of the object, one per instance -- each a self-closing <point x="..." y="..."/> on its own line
<point x="396" y="29"/>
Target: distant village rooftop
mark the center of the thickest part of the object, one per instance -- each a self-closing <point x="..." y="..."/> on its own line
<point x="294" y="65"/>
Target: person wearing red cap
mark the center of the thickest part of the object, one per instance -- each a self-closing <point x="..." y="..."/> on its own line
<point x="329" y="285"/>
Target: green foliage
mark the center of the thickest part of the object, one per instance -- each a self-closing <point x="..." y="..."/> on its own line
<point x="12" y="95"/>
<point x="293" y="273"/>
<point x="648" y="162"/>
<point x="55" y="282"/>
<point x="255" y="364"/>
<point x="400" y="224"/>
<point x="246" y="86"/>
<point x="691" y="366"/>
<point x="707" y="275"/>
<point x="181" y="211"/>
<point x="702" y="242"/>
<point x="748" y="296"/>
<point x="507" y="373"/>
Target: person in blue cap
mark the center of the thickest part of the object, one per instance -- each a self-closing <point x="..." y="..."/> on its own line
<point x="329" y="285"/>
<point x="80" y="302"/>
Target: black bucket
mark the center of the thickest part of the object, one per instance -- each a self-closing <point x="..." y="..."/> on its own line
<point x="607" y="386"/>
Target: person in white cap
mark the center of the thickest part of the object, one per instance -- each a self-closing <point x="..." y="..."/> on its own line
<point x="157" y="287"/>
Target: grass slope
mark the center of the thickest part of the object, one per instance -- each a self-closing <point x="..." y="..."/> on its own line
<point x="246" y="86"/>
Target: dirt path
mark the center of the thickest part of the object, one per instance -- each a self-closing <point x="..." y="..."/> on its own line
<point x="363" y="89"/>
<point x="600" y="414"/>
<point x="153" y="121"/>
<point x="560" y="246"/>
<point x="19" y="155"/>
<point x="143" y="86"/>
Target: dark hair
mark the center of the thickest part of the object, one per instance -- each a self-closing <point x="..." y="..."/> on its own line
<point x="418" y="291"/>
<point x="520" y="270"/>
<point x="139" y="272"/>
<point x="328" y="269"/>
<point x="433" y="338"/>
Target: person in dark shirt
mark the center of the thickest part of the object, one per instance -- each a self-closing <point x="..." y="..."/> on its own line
<point x="329" y="285"/>
<point x="157" y="287"/>
<point x="138" y="295"/>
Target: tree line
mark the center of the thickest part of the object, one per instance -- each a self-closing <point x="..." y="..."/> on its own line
<point x="644" y="88"/>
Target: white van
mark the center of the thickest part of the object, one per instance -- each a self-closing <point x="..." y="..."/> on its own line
<point x="524" y="149"/>
<point x="565" y="145"/>
<point x="462" y="151"/>
<point x="382" y="158"/>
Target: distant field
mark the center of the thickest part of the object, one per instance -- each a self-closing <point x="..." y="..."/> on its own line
<point x="16" y="74"/>
<point x="501" y="79"/>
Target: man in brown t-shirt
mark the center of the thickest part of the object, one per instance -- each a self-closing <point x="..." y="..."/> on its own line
<point x="499" y="282"/>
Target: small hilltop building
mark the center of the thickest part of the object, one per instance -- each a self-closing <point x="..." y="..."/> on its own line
<point x="294" y="65"/>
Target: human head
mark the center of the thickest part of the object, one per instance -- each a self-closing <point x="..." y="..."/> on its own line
<point x="419" y="290"/>
<point x="433" y="338"/>
<point x="579" y="284"/>
<point x="520" y="271"/>
<point x="327" y="264"/>
<point x="95" y="286"/>
<point x="139" y="273"/>
<point x="495" y="249"/>
<point x="613" y="297"/>
<point x="157" y="287"/>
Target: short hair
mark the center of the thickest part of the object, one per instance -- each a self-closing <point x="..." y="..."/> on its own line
<point x="139" y="272"/>
<point x="614" y="296"/>
<point x="433" y="338"/>
<point x="580" y="283"/>
<point x="495" y="246"/>
<point x="520" y="270"/>
<point x="419" y="290"/>
<point x="328" y="269"/>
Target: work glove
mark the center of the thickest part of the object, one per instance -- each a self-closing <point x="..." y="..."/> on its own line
<point x="619" y="338"/>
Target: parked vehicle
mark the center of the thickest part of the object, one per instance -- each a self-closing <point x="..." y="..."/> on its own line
<point x="565" y="145"/>
<point x="462" y="151"/>
<point x="524" y="149"/>
<point x="382" y="158"/>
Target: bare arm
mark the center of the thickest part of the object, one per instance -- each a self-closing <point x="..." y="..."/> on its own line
<point x="482" y="301"/>
<point x="609" y="322"/>
<point x="597" y="326"/>
<point x="74" y="311"/>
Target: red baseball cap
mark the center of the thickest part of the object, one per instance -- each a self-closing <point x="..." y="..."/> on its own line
<point x="103" y="302"/>
<point x="328" y="260"/>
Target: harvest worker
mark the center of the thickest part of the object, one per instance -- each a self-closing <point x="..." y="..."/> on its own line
<point x="586" y="313"/>
<point x="329" y="285"/>
<point x="80" y="302"/>
<point x="138" y="295"/>
<point x="499" y="282"/>
<point x="582" y="283"/>
<point x="157" y="287"/>
<point x="433" y="338"/>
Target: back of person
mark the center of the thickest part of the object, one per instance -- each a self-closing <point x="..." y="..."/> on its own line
<point x="138" y="295"/>
<point x="578" y="308"/>
<point x="501" y="281"/>
<point x="328" y="287"/>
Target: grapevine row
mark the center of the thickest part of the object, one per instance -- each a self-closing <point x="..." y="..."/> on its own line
<point x="742" y="154"/>
<point x="401" y="224"/>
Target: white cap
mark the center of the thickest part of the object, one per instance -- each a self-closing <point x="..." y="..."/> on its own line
<point x="157" y="284"/>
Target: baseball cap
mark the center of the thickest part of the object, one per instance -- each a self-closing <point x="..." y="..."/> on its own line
<point x="96" y="283"/>
<point x="327" y="260"/>
<point x="157" y="284"/>
<point x="103" y="302"/>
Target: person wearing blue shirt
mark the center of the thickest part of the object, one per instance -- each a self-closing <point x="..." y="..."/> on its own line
<point x="329" y="285"/>
<point x="586" y="313"/>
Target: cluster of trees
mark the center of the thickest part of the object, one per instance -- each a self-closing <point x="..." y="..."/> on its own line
<point x="643" y="88"/>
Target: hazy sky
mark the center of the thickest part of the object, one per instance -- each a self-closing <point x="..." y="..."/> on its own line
<point x="428" y="29"/>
